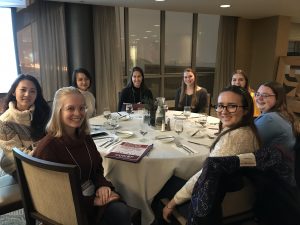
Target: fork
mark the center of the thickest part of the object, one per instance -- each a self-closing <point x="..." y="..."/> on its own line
<point x="180" y="145"/>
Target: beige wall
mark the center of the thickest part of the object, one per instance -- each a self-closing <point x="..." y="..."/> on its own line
<point x="259" y="44"/>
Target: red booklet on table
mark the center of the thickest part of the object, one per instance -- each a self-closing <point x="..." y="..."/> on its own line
<point x="130" y="152"/>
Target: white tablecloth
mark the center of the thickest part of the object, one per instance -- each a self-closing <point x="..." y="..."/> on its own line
<point x="138" y="183"/>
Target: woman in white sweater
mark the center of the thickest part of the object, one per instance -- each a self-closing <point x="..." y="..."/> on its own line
<point x="24" y="120"/>
<point x="237" y="135"/>
<point x="81" y="79"/>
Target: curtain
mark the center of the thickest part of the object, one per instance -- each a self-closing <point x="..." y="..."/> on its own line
<point x="52" y="47"/>
<point x="225" y="61"/>
<point x="108" y="67"/>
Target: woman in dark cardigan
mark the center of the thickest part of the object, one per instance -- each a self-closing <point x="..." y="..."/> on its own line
<point x="136" y="91"/>
<point x="68" y="141"/>
<point x="190" y="94"/>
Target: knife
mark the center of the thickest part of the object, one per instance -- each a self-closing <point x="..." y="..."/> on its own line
<point x="196" y="132"/>
<point x="197" y="143"/>
<point x="160" y="138"/>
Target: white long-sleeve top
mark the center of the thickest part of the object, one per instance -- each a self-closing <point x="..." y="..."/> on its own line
<point x="238" y="141"/>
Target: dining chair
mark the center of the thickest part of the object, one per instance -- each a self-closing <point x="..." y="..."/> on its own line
<point x="49" y="188"/>
<point x="297" y="161"/>
<point x="208" y="104"/>
<point x="10" y="195"/>
<point x="237" y="206"/>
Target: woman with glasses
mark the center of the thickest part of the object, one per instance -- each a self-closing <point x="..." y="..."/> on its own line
<point x="68" y="141"/>
<point x="276" y="125"/>
<point x="238" y="135"/>
<point x="239" y="78"/>
<point x="24" y="120"/>
<point x="190" y="94"/>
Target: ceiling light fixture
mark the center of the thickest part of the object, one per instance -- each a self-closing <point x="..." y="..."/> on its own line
<point x="225" y="6"/>
<point x="160" y="0"/>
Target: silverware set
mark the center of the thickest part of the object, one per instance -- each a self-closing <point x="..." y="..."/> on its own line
<point x="185" y="148"/>
<point x="109" y="142"/>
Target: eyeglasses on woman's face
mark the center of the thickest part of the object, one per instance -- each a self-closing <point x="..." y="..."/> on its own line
<point x="72" y="109"/>
<point x="232" y="108"/>
<point x="263" y="95"/>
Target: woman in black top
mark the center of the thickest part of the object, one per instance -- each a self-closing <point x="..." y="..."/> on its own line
<point x="190" y="94"/>
<point x="136" y="91"/>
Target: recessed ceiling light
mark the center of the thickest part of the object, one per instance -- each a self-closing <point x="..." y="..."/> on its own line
<point x="160" y="0"/>
<point x="145" y="37"/>
<point x="225" y="6"/>
<point x="148" y="31"/>
<point x="156" y="25"/>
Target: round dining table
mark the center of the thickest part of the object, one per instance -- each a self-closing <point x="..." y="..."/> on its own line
<point x="139" y="182"/>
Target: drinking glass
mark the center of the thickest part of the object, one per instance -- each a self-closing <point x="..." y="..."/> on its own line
<point x="178" y="126"/>
<point x="113" y="122"/>
<point x="187" y="111"/>
<point x="140" y="112"/>
<point x="129" y="108"/>
<point x="106" y="113"/>
<point x="144" y="128"/>
<point x="203" y="119"/>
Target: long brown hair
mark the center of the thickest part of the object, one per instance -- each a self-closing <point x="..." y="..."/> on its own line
<point x="194" y="101"/>
<point x="281" y="105"/>
<point x="247" y="119"/>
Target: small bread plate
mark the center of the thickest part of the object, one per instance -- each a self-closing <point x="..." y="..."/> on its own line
<point x="195" y="133"/>
<point x="180" y="117"/>
<point x="107" y="126"/>
<point x="165" y="138"/>
<point x="124" y="117"/>
<point x="124" y="133"/>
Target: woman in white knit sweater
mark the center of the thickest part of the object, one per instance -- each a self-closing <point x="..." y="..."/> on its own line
<point x="238" y="135"/>
<point x="24" y="120"/>
<point x="81" y="79"/>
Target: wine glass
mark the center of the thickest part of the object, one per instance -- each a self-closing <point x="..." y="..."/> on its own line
<point x="144" y="127"/>
<point x="187" y="111"/>
<point x="129" y="108"/>
<point x="106" y="113"/>
<point x="178" y="127"/>
<point x="203" y="119"/>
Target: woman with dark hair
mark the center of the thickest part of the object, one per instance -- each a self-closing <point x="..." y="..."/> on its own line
<point x="136" y="91"/>
<point x="24" y="121"/>
<point x="239" y="78"/>
<point x="68" y="141"/>
<point x="190" y="94"/>
<point x="238" y="135"/>
<point x="276" y="125"/>
<point x="81" y="79"/>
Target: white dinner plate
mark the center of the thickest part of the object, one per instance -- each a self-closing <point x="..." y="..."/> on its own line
<point x="199" y="134"/>
<point x="124" y="133"/>
<point x="165" y="138"/>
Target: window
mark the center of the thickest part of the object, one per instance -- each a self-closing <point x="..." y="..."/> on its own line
<point x="144" y="40"/>
<point x="8" y="61"/>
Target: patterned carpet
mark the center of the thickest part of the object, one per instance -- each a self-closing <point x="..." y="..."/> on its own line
<point x="13" y="218"/>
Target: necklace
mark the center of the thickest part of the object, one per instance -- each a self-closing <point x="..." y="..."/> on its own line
<point x="91" y="162"/>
